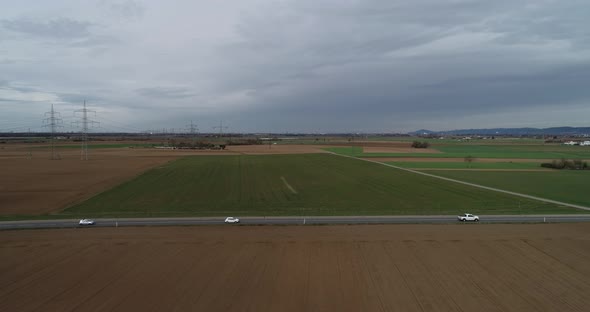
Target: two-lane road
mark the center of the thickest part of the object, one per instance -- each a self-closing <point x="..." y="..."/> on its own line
<point x="38" y="224"/>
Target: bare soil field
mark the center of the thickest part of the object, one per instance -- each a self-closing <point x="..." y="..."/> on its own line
<point x="40" y="185"/>
<point x="31" y="183"/>
<point x="540" y="267"/>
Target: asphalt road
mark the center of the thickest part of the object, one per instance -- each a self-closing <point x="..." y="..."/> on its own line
<point x="39" y="224"/>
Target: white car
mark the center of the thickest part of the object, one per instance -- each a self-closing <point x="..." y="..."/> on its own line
<point x="468" y="217"/>
<point x="86" y="222"/>
<point x="232" y="220"/>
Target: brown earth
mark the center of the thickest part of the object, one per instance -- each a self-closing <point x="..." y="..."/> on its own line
<point x="542" y="267"/>
<point x="31" y="183"/>
<point x="40" y="185"/>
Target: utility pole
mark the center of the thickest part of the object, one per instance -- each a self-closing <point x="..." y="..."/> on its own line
<point x="84" y="129"/>
<point x="53" y="121"/>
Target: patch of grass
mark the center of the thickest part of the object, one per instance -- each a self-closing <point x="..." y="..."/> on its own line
<point x="489" y="151"/>
<point x="318" y="184"/>
<point x="569" y="186"/>
<point x="465" y="165"/>
<point x="517" y="151"/>
<point x="354" y="151"/>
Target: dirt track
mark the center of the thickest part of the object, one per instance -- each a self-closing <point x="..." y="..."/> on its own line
<point x="323" y="268"/>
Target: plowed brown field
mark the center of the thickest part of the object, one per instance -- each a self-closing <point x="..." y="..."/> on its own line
<point x="540" y="267"/>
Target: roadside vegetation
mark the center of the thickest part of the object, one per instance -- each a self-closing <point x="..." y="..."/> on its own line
<point x="575" y="164"/>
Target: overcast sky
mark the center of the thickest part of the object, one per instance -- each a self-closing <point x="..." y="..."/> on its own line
<point x="297" y="66"/>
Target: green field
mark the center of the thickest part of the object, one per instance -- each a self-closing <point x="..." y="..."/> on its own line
<point x="465" y="165"/>
<point x="274" y="185"/>
<point x="482" y="151"/>
<point x="563" y="185"/>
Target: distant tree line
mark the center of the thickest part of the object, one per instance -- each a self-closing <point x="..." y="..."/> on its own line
<point x="190" y="144"/>
<point x="575" y="164"/>
<point x="418" y="144"/>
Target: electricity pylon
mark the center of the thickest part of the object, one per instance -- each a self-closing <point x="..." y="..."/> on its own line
<point x="192" y="128"/>
<point x="220" y="127"/>
<point x="53" y="121"/>
<point x="86" y="123"/>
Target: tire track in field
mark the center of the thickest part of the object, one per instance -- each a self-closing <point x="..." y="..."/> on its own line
<point x="471" y="184"/>
<point x="288" y="185"/>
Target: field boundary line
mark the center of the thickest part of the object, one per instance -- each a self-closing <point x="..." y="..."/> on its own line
<point x="471" y="184"/>
<point x="288" y="185"/>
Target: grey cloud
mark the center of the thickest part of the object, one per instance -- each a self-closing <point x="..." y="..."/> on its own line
<point x="337" y="47"/>
<point x="127" y="10"/>
<point x="60" y="28"/>
<point x="79" y="98"/>
<point x="95" y="41"/>
<point x="166" y="92"/>
<point x="9" y="85"/>
<point x="347" y="65"/>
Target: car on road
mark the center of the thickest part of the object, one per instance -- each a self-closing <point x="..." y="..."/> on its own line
<point x="232" y="220"/>
<point x="468" y="217"/>
<point x="86" y="222"/>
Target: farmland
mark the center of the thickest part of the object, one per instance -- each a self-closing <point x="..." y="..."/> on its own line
<point x="266" y="180"/>
<point x="539" y="267"/>
<point x="479" y="151"/>
<point x="464" y="165"/>
<point x="311" y="184"/>
<point x="34" y="186"/>
<point x="563" y="185"/>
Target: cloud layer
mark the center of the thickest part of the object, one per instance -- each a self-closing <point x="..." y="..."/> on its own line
<point x="329" y="66"/>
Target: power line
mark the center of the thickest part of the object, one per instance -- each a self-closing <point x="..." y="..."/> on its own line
<point x="53" y="122"/>
<point x="84" y="129"/>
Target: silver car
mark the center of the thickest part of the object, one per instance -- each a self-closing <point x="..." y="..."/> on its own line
<point x="86" y="222"/>
<point x="232" y="220"/>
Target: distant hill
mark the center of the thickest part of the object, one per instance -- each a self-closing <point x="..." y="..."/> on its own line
<point x="509" y="131"/>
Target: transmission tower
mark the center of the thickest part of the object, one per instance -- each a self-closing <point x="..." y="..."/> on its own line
<point x="220" y="127"/>
<point x="192" y="128"/>
<point x="53" y="121"/>
<point x="85" y="124"/>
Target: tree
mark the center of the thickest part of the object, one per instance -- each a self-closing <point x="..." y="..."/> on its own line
<point x="469" y="159"/>
<point x="418" y="144"/>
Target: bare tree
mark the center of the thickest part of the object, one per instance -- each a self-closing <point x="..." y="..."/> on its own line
<point x="469" y="159"/>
